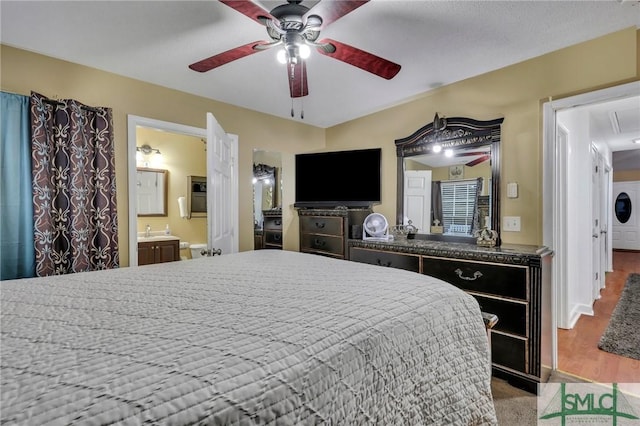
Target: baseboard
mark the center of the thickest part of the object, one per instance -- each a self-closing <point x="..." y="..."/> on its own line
<point x="577" y="311"/>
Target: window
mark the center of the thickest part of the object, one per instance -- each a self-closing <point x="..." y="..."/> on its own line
<point x="459" y="205"/>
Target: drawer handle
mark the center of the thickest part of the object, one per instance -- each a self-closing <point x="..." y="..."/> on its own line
<point x="318" y="243"/>
<point x="319" y="225"/>
<point x="388" y="264"/>
<point x="476" y="275"/>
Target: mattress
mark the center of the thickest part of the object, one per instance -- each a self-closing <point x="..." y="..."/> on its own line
<point x="261" y="337"/>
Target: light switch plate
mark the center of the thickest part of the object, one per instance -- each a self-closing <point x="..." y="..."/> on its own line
<point x="511" y="223"/>
<point x="512" y="190"/>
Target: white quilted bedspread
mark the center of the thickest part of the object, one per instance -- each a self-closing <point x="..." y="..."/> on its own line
<point x="263" y="337"/>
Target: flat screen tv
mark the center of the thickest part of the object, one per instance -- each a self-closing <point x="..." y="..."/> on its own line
<point x="339" y="178"/>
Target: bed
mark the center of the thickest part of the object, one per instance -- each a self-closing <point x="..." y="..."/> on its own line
<point x="260" y="337"/>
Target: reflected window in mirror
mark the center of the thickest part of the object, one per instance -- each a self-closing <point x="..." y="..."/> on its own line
<point x="151" y="191"/>
<point x="448" y="178"/>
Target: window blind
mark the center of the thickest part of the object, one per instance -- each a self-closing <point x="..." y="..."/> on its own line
<point x="458" y="205"/>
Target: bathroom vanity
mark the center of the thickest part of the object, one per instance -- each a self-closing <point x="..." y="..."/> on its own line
<point x="158" y="249"/>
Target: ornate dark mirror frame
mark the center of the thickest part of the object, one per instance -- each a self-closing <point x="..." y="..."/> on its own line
<point x="456" y="132"/>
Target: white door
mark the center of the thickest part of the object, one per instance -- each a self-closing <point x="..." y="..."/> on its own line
<point x="595" y="224"/>
<point x="222" y="200"/>
<point x="417" y="199"/>
<point x="605" y="220"/>
<point x="626" y="215"/>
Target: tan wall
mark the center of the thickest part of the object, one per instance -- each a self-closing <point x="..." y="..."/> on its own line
<point x="626" y="175"/>
<point x="24" y="71"/>
<point x="515" y="93"/>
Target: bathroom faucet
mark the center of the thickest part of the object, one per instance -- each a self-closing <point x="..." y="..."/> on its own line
<point x="147" y="232"/>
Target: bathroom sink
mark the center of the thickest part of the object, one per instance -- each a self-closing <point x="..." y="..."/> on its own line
<point x="150" y="238"/>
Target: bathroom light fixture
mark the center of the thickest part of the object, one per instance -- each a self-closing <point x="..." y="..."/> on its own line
<point x="142" y="155"/>
<point x="146" y="150"/>
<point x="636" y="141"/>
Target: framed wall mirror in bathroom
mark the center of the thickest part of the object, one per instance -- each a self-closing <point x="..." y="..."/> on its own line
<point x="151" y="191"/>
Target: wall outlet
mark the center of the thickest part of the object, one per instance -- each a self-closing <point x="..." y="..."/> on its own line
<point x="511" y="223"/>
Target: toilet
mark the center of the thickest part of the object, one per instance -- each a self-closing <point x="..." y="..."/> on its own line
<point x="196" y="250"/>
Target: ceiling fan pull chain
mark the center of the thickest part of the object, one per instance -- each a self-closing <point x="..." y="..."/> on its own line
<point x="302" y="90"/>
<point x="292" y="114"/>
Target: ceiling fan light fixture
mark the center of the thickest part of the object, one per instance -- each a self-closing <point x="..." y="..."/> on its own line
<point x="437" y="148"/>
<point x="282" y="56"/>
<point x="304" y="51"/>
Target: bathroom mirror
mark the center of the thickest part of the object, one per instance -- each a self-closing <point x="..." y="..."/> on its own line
<point x="448" y="180"/>
<point x="151" y="191"/>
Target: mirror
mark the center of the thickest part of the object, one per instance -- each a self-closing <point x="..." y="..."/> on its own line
<point x="449" y="179"/>
<point x="197" y="196"/>
<point x="151" y="191"/>
<point x="267" y="189"/>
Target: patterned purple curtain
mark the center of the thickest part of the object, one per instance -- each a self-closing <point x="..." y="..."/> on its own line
<point x="74" y="189"/>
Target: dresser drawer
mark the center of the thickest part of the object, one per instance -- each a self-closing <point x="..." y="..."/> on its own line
<point x="272" y="223"/>
<point x="512" y="315"/>
<point x="322" y="225"/>
<point x="509" y="351"/>
<point x="316" y="243"/>
<point x="385" y="258"/>
<point x="273" y="238"/>
<point x="499" y="280"/>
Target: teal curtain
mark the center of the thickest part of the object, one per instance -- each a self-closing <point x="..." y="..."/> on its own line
<point x="17" y="253"/>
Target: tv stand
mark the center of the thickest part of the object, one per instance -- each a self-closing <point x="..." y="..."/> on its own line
<point x="326" y="231"/>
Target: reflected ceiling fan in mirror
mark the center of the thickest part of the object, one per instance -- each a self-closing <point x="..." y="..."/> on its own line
<point x="296" y="28"/>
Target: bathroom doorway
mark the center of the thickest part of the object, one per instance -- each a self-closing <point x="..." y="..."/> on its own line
<point x="183" y="154"/>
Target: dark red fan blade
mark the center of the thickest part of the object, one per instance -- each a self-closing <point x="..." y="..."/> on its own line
<point x="298" y="80"/>
<point x="226" y="57"/>
<point x="477" y="161"/>
<point x="332" y="10"/>
<point x="248" y="8"/>
<point x="361" y="59"/>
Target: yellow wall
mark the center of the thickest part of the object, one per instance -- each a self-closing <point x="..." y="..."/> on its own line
<point x="515" y="93"/>
<point x="23" y="71"/>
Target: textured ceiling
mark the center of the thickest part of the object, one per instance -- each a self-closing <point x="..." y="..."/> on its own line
<point x="436" y="42"/>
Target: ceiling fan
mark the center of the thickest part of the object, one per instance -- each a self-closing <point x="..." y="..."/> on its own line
<point x="481" y="157"/>
<point x="297" y="28"/>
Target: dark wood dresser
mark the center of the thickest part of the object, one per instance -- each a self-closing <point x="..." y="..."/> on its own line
<point x="326" y="231"/>
<point x="272" y="229"/>
<point x="511" y="281"/>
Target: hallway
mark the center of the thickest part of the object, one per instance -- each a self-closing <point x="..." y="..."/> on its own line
<point x="578" y="352"/>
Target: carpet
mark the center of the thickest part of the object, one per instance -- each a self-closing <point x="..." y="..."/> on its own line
<point x="622" y="336"/>
<point x="518" y="407"/>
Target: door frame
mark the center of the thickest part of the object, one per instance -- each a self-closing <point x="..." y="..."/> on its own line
<point x="554" y="201"/>
<point x="134" y="121"/>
